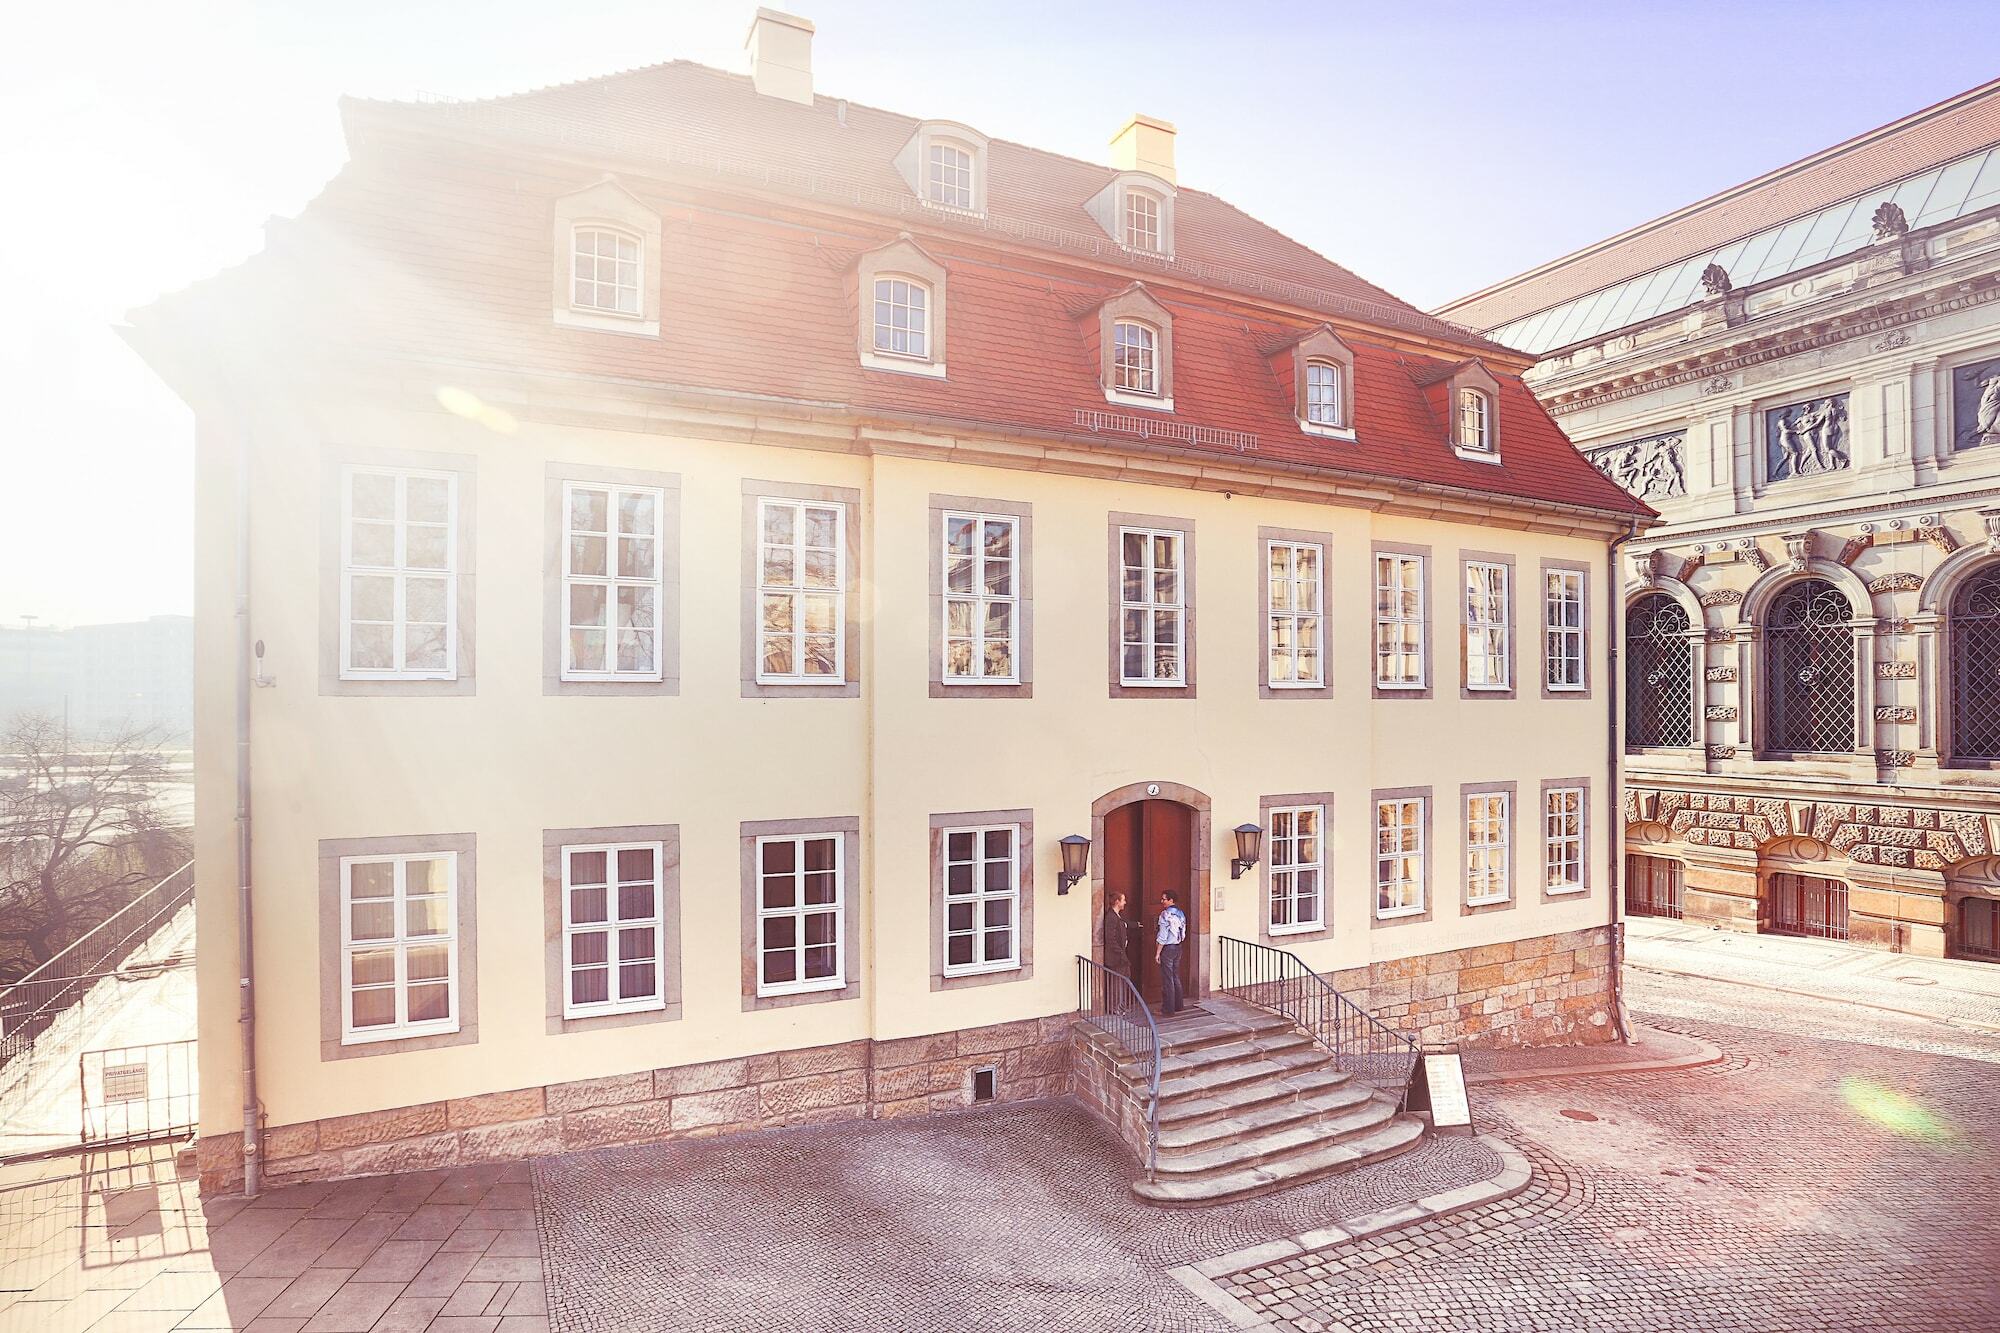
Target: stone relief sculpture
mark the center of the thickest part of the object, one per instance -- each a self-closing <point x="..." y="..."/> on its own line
<point x="1889" y="222"/>
<point x="1804" y="439"/>
<point x="1648" y="468"/>
<point x="1975" y="403"/>
<point x="1715" y="280"/>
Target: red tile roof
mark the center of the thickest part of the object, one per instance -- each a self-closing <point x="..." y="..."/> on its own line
<point x="1924" y="139"/>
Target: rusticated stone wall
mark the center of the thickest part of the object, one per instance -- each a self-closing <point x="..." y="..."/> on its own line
<point x="1867" y="833"/>
<point x="851" y="1081"/>
<point x="1552" y="990"/>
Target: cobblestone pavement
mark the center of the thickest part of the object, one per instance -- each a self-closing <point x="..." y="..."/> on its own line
<point x="1016" y="1218"/>
<point x="1810" y="1181"/>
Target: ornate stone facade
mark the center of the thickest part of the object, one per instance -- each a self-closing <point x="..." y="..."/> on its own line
<point x="1648" y="468"/>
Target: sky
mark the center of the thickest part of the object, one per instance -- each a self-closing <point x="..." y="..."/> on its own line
<point x="1431" y="148"/>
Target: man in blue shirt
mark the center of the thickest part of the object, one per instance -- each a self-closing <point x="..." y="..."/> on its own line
<point x="1167" y="951"/>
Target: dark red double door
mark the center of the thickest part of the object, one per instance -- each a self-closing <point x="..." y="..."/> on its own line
<point x="1149" y="849"/>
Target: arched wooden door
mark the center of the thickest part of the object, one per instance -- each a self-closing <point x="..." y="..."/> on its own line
<point x="1149" y="849"/>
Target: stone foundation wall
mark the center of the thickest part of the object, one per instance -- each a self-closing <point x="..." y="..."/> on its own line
<point x="1104" y="1092"/>
<point x="1552" y="990"/>
<point x="854" y="1080"/>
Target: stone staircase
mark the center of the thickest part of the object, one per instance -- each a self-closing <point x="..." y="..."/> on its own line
<point x="1249" y="1103"/>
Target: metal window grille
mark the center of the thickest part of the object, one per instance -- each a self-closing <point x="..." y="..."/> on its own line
<point x="1979" y="928"/>
<point x="1652" y="886"/>
<point x="1975" y="668"/>
<point x="1659" y="674"/>
<point x="1806" y="905"/>
<point x="1809" y="685"/>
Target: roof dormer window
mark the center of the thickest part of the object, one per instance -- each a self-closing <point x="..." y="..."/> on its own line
<point x="1320" y="370"/>
<point x="1470" y="406"/>
<point x="949" y="175"/>
<point x="606" y="268"/>
<point x="900" y="294"/>
<point x="902" y="317"/>
<point x="944" y="164"/>
<point x="1142" y="221"/>
<point x="1135" y="358"/>
<point x="1135" y="346"/>
<point x="1136" y="209"/>
<point x="605" y="255"/>
<point x="1475" y="421"/>
<point x="1326" y="400"/>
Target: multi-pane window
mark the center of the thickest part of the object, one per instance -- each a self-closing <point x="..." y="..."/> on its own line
<point x="981" y="598"/>
<point x="982" y="899"/>
<point x="1325" y="405"/>
<point x="949" y="178"/>
<point x="611" y="928"/>
<point x="1486" y="847"/>
<point x="1399" y="620"/>
<point x="1562" y="629"/>
<point x="1142" y="221"/>
<point x="1152" y="607"/>
<point x="611" y="582"/>
<point x="902" y="317"/>
<point x="799" y="902"/>
<point x="1809" y="681"/>
<point x="1298" y="865"/>
<point x="398" y="946"/>
<point x="606" y="271"/>
<point x="1399" y="856"/>
<point x="1562" y="840"/>
<point x="1135" y="364"/>
<point x="1659" y="673"/>
<point x="1488" y="654"/>
<point x="1475" y="420"/>
<point x="801" y="591"/>
<point x="1293" y="631"/>
<point x="398" y="586"/>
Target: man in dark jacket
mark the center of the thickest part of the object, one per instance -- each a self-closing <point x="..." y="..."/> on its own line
<point x="1117" y="936"/>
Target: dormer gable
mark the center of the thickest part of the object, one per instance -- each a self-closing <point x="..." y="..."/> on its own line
<point x="900" y="297"/>
<point x="1472" y="412"/>
<point x="1135" y="348"/>
<point x="1319" y="370"/>
<point x="944" y="164"/>
<point x="1136" y="209"/>
<point x="604" y="246"/>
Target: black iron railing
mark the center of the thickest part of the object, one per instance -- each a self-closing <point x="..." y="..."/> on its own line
<point x="1360" y="1043"/>
<point x="1108" y="1000"/>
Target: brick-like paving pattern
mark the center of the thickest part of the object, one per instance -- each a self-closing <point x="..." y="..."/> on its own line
<point x="1799" y="1185"/>
<point x="1015" y="1218"/>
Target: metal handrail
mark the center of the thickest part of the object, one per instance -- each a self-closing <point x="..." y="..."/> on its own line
<point x="1109" y="1000"/>
<point x="30" y="1005"/>
<point x="1360" y="1043"/>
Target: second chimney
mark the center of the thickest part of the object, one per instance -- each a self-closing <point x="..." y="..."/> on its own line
<point x="1145" y="144"/>
<point x="781" y="50"/>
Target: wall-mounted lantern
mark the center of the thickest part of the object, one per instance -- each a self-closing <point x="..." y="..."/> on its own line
<point x="1075" y="861"/>
<point x="1249" y="849"/>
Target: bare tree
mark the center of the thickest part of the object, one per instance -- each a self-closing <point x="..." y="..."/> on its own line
<point x="80" y="834"/>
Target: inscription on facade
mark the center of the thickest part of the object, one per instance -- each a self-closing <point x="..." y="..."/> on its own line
<point x="1975" y="404"/>
<point x="1648" y="467"/>
<point x="1806" y="439"/>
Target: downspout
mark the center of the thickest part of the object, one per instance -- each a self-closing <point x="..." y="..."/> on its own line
<point x="253" y="1165"/>
<point x="1614" y="766"/>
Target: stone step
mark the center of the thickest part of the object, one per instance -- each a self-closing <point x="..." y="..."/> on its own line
<point x="1211" y="1079"/>
<point x="1246" y="1096"/>
<point x="1264" y="1147"/>
<point x="1237" y="1023"/>
<point x="1264" y="1046"/>
<point x="1397" y="1134"/>
<point x="1289" y="1109"/>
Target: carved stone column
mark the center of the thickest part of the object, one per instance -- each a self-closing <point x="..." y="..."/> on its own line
<point x="1926" y="693"/>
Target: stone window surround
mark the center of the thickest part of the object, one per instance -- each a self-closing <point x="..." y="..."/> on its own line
<point x="1474" y="375"/>
<point x="555" y="974"/>
<point x="1321" y="688"/>
<point x="1107" y="209"/>
<point x="848" y="829"/>
<point x="667" y="635"/>
<point x="1511" y="608"/>
<point x="1549" y="567"/>
<point x="466" y="961"/>
<point x="901" y="258"/>
<point x="1466" y="791"/>
<point x="334" y="459"/>
<point x="913" y="162"/>
<point x="1024" y="597"/>
<point x="1115" y="520"/>
<point x="850" y="687"/>
<point x="1753" y="672"/>
<point x="1377" y="688"/>
<point x="1376" y="921"/>
<point x="1024" y="923"/>
<point x="1323" y="344"/>
<point x="1542" y="833"/>
<point x="1135" y="303"/>
<point x="1286" y="939"/>
<point x="607" y="204"/>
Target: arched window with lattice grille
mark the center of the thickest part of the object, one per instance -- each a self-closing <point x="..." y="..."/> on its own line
<point x="1809" y="672"/>
<point x="1975" y="667"/>
<point x="1659" y="673"/>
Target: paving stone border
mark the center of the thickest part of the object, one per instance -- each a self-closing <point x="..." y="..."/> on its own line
<point x="1525" y="1065"/>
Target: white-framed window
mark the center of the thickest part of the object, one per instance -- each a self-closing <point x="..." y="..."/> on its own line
<point x="1293" y="633"/>
<point x="1562" y="840"/>
<point x="1399" y="620"/>
<point x="1488" y="626"/>
<point x="1475" y="421"/>
<point x="611" y="581"/>
<point x="799" y="902"/>
<point x="398" y="946"/>
<point x="1399" y="856"/>
<point x="1142" y="221"/>
<point x="1326" y="403"/>
<point x="801" y="592"/>
<point x="948" y="175"/>
<point x="1487" y="847"/>
<point x="605" y="271"/>
<point x="981" y="598"/>
<point x="1135" y="358"/>
<point x="902" y="318"/>
<point x="1562" y="628"/>
<point x="612" y="928"/>
<point x="1298" y="867"/>
<point x="398" y="580"/>
<point x="1152" y="607"/>
<point x="982" y="899"/>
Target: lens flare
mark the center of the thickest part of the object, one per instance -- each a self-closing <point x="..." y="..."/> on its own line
<point x="465" y="403"/>
<point x="1893" y="1111"/>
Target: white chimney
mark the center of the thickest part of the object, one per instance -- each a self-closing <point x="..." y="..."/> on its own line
<point x="1145" y="144"/>
<point x="781" y="56"/>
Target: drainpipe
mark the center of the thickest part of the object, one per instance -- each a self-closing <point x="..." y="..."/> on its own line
<point x="253" y="1164"/>
<point x="1614" y="762"/>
